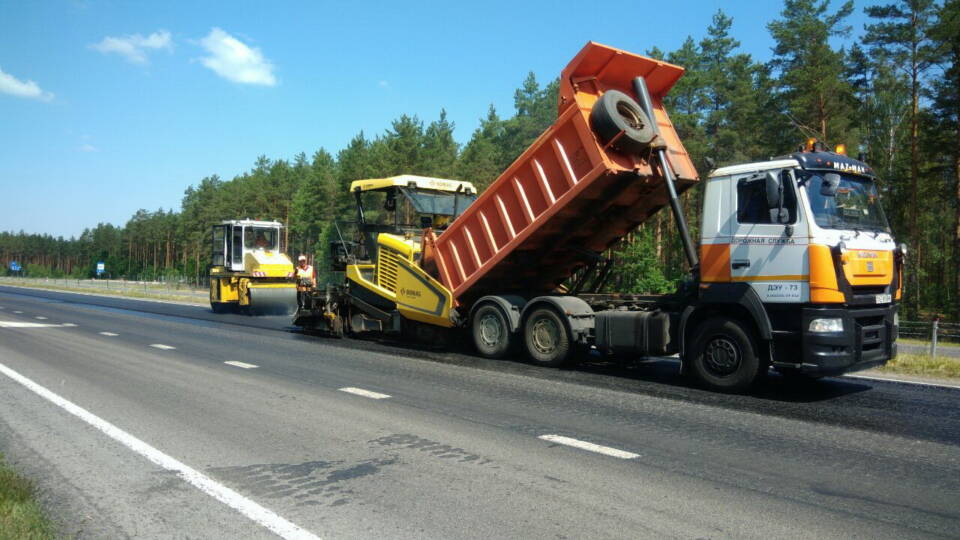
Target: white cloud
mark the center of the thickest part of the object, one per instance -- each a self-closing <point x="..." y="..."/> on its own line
<point x="87" y="147"/>
<point x="14" y="86"/>
<point x="383" y="84"/>
<point x="134" y="47"/>
<point x="235" y="61"/>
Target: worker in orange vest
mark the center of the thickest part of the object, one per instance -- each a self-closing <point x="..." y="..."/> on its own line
<point x="306" y="278"/>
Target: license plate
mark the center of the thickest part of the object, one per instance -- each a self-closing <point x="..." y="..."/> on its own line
<point x="883" y="298"/>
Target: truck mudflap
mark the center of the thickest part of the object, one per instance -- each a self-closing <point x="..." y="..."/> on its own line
<point x="868" y="340"/>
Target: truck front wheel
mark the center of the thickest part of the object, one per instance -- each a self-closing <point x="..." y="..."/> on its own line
<point x="491" y="333"/>
<point x="547" y="338"/>
<point x="724" y="356"/>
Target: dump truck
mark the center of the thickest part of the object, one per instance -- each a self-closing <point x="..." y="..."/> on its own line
<point x="796" y="268"/>
<point x="249" y="271"/>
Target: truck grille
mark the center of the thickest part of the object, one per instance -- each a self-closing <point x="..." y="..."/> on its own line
<point x="387" y="263"/>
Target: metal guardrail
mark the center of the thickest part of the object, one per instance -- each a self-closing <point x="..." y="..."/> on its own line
<point x="935" y="331"/>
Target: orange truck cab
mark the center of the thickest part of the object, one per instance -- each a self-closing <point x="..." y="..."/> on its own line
<point x="804" y="237"/>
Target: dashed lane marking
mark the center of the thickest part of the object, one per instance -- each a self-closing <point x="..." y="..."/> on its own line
<point x="17" y="311"/>
<point x="162" y="347"/>
<point x="364" y="393"/>
<point x="583" y="445"/>
<point x="108" y="334"/>
<point x="243" y="365"/>
<point x="68" y="325"/>
<point x="18" y="324"/>
<point x="259" y="514"/>
<point x="40" y="318"/>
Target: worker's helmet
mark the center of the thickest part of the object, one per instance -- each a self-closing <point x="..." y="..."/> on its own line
<point x="302" y="258"/>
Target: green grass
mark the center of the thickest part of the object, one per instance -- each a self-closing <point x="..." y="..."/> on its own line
<point x="20" y="514"/>
<point x="922" y="364"/>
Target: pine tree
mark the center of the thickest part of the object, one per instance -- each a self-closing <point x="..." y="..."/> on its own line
<point x="817" y="95"/>
<point x="902" y="34"/>
<point x="946" y="97"/>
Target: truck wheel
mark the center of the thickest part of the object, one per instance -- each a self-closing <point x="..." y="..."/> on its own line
<point x="616" y="112"/>
<point x="546" y="338"/>
<point x="491" y="332"/>
<point x="725" y="356"/>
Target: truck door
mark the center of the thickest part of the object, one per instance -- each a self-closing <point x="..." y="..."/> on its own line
<point x="236" y="249"/>
<point x="219" y="249"/>
<point x="769" y="255"/>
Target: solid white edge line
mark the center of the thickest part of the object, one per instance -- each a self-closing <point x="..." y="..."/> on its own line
<point x="108" y="334"/>
<point x="68" y="325"/>
<point x="364" y="393"/>
<point x="204" y="483"/>
<point x="243" y="365"/>
<point x="904" y="381"/>
<point x="583" y="445"/>
<point x="163" y="347"/>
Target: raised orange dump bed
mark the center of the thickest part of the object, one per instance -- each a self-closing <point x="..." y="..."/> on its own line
<point x="566" y="198"/>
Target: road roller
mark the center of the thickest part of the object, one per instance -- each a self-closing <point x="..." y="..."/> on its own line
<point x="249" y="272"/>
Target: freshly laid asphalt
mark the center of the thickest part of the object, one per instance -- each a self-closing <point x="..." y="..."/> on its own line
<point x="458" y="449"/>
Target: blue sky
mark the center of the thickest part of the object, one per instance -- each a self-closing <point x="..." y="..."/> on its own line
<point x="107" y="107"/>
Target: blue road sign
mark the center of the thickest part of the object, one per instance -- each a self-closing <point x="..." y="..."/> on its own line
<point x="101" y="268"/>
<point x="14" y="266"/>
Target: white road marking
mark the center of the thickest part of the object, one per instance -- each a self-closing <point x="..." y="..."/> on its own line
<point x="109" y="334"/>
<point x="40" y="318"/>
<point x="17" y="311"/>
<point x="890" y="379"/>
<point x="364" y="393"/>
<point x="17" y="324"/>
<point x="263" y="516"/>
<point x="68" y="325"/>
<point x="161" y="346"/>
<point x="583" y="445"/>
<point x="243" y="365"/>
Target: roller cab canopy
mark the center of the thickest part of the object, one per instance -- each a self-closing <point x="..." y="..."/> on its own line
<point x="413" y="181"/>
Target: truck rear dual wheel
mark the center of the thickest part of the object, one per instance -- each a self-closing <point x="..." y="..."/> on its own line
<point x="725" y="356"/>
<point x="547" y="339"/>
<point x="491" y="332"/>
<point x="616" y="112"/>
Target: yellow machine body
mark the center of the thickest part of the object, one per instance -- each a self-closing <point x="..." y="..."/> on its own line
<point x="398" y="280"/>
<point x="264" y="281"/>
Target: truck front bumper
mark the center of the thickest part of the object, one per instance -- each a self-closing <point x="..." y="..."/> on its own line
<point x="868" y="339"/>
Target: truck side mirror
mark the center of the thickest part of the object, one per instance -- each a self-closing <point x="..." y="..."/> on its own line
<point x="831" y="181"/>
<point x="774" y="188"/>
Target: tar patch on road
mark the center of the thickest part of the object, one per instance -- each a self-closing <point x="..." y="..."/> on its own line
<point x="440" y="450"/>
<point x="312" y="483"/>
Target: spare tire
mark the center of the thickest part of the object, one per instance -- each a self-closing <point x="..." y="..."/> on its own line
<point x="616" y="112"/>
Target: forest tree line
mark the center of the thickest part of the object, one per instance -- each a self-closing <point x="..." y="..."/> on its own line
<point x="893" y="95"/>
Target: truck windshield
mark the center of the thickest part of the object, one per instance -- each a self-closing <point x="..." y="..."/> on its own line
<point x="856" y="205"/>
<point x="261" y="238"/>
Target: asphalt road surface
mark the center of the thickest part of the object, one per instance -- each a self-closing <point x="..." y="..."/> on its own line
<point x="162" y="420"/>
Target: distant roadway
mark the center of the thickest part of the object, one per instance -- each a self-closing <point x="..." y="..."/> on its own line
<point x="149" y="419"/>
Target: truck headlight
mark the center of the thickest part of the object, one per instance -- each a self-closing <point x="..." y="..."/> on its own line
<point x="824" y="326"/>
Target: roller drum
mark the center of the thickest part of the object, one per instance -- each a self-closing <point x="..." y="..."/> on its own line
<point x="273" y="300"/>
